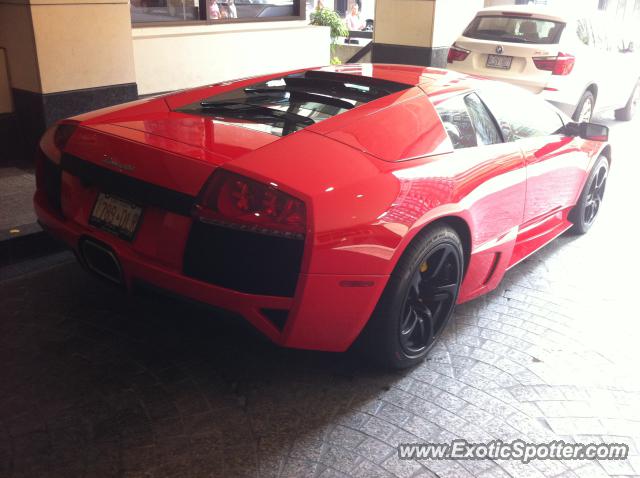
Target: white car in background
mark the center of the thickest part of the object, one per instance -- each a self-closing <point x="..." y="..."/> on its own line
<point x="575" y="63"/>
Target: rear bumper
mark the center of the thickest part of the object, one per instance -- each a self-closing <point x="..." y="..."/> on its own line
<point x="327" y="312"/>
<point x="506" y="76"/>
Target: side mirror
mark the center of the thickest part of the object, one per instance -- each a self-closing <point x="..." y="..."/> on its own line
<point x="588" y="131"/>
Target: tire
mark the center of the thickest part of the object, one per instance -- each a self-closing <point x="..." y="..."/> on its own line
<point x="580" y="113"/>
<point x="589" y="204"/>
<point x="629" y="111"/>
<point x="433" y="264"/>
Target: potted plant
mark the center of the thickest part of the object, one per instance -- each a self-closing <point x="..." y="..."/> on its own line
<point x="326" y="17"/>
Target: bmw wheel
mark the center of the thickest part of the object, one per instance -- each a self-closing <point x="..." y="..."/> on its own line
<point x="585" y="108"/>
<point x="419" y="299"/>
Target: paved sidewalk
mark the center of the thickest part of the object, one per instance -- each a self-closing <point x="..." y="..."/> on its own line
<point x="20" y="235"/>
<point x="17" y="186"/>
<point x="98" y="384"/>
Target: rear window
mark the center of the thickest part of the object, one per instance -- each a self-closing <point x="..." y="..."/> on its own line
<point x="288" y="104"/>
<point x="515" y="29"/>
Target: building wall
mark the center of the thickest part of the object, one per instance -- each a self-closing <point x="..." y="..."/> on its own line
<point x="169" y="58"/>
<point x="405" y="22"/>
<point x="16" y="36"/>
<point x="82" y="43"/>
<point x="419" y="32"/>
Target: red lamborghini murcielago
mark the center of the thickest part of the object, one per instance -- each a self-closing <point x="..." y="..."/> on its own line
<point x="323" y="205"/>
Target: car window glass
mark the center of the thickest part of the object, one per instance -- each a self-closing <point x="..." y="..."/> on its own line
<point x="457" y="122"/>
<point x="516" y="29"/>
<point x="521" y="114"/>
<point x="284" y="105"/>
<point x="486" y="129"/>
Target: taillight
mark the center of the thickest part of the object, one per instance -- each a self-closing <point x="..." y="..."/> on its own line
<point x="560" y="65"/>
<point x="232" y="200"/>
<point x="457" y="54"/>
<point x="62" y="134"/>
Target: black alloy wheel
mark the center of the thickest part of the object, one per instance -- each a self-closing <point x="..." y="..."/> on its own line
<point x="595" y="196"/>
<point x="586" y="211"/>
<point x="430" y="299"/>
<point x="418" y="300"/>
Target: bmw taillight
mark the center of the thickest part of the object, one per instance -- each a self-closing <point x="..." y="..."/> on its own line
<point x="560" y="65"/>
<point x="231" y="200"/>
<point x="457" y="54"/>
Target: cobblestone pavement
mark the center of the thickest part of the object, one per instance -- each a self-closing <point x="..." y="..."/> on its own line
<point x="16" y="189"/>
<point x="96" y="384"/>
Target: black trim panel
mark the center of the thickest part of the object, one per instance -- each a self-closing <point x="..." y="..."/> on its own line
<point x="135" y="190"/>
<point x="409" y="55"/>
<point x="243" y="261"/>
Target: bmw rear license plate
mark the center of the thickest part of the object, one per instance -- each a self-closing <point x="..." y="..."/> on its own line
<point x="115" y="215"/>
<point x="499" y="61"/>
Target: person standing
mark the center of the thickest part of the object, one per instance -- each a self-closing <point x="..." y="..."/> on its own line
<point x="353" y="19"/>
<point x="214" y="10"/>
<point x="233" y="12"/>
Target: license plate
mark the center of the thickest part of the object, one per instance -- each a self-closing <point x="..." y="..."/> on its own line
<point x="498" y="61"/>
<point x="115" y="215"/>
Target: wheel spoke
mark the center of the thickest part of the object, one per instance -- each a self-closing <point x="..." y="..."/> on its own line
<point x="412" y="321"/>
<point x="437" y="268"/>
<point x="593" y="201"/>
<point x="439" y="293"/>
<point x="592" y="191"/>
<point x="588" y="213"/>
<point x="601" y="178"/>
<point x="423" y="337"/>
<point x="428" y="332"/>
<point x="436" y="313"/>
<point x="601" y="188"/>
<point x="416" y="282"/>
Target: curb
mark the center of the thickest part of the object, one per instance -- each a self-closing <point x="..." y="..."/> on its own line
<point x="30" y="242"/>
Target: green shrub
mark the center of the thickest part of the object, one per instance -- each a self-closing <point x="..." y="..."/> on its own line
<point x="326" y="17"/>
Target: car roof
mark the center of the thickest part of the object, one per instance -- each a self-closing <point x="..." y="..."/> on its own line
<point x="537" y="11"/>
<point x="434" y="81"/>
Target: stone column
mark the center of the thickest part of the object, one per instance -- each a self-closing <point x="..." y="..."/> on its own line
<point x="419" y="32"/>
<point x="66" y="57"/>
